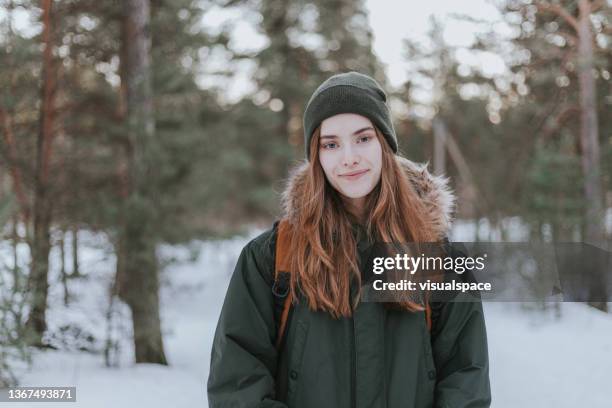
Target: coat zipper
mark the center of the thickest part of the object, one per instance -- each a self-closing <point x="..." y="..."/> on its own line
<point x="353" y="355"/>
<point x="353" y="364"/>
<point x="353" y="346"/>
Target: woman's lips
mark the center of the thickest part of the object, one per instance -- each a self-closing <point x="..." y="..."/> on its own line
<point x="354" y="175"/>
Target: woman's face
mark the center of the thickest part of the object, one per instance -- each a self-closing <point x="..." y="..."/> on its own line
<point x="351" y="155"/>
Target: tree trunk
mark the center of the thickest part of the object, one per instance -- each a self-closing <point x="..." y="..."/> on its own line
<point x="63" y="272"/>
<point x="75" y="252"/>
<point x="40" y="247"/>
<point x="6" y="122"/>
<point x="9" y="138"/>
<point x="589" y="143"/>
<point x="589" y="131"/>
<point x="38" y="280"/>
<point x="439" y="131"/>
<point x="138" y="283"/>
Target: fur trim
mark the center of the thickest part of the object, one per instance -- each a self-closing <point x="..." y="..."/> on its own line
<point x="434" y="191"/>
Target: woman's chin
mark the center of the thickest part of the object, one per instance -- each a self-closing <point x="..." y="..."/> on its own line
<point x="355" y="193"/>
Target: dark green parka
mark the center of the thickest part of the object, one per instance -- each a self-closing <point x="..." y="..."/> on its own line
<point x="379" y="357"/>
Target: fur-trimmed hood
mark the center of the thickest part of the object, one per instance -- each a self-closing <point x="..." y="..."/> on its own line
<point x="434" y="192"/>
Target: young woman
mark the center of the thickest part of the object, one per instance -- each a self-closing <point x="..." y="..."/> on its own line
<point x="337" y="351"/>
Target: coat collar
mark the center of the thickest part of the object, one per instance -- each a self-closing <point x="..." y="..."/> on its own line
<point x="434" y="191"/>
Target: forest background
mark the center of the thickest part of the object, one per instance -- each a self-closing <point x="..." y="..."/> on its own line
<point x="157" y="122"/>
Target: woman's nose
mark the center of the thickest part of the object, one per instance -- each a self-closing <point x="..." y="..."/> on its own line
<point x="350" y="157"/>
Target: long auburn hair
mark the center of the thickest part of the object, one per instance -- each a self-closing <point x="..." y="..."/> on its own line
<point x="324" y="256"/>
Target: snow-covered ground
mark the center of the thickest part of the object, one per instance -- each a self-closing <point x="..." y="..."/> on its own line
<point x="537" y="359"/>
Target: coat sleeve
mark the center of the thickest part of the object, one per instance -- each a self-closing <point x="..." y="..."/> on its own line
<point x="243" y="359"/>
<point x="459" y="344"/>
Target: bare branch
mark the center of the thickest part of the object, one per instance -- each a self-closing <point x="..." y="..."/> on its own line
<point x="571" y="39"/>
<point x="545" y="6"/>
<point x="597" y="5"/>
<point x="559" y="121"/>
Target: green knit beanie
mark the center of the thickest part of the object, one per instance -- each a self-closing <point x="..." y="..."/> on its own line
<point x="349" y="92"/>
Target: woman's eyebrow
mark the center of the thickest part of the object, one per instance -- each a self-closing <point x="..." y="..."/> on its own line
<point x="354" y="133"/>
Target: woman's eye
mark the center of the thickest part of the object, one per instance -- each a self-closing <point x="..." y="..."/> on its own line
<point x="330" y="145"/>
<point x="364" y="139"/>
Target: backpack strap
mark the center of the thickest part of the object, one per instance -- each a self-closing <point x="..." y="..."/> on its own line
<point x="282" y="277"/>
